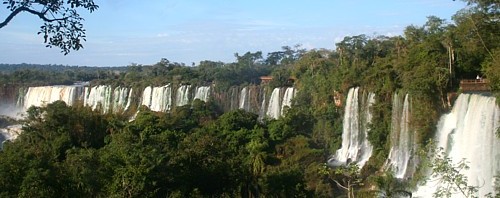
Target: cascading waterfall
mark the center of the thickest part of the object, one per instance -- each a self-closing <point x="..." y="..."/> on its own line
<point x="182" y="95"/>
<point x="274" y="107"/>
<point x="202" y="93"/>
<point x="262" y="111"/>
<point x="468" y="132"/>
<point x="40" y="96"/>
<point x="287" y="99"/>
<point x="401" y="158"/>
<point x="146" y="96"/>
<point x="355" y="145"/>
<point x="129" y="100"/>
<point x="244" y="103"/>
<point x="98" y="97"/>
<point x="121" y="99"/>
<point x="366" y="146"/>
<point x="161" y="99"/>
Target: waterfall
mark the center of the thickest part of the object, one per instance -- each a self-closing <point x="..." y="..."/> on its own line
<point x="121" y="99"/>
<point x="40" y="96"/>
<point x="366" y="146"/>
<point x="274" y="107"/>
<point x="129" y="100"/>
<point x="157" y="98"/>
<point x="355" y="145"/>
<point x="262" y="111"/>
<point x="202" y="93"/>
<point x="98" y="97"/>
<point x="287" y="99"/>
<point x="468" y="132"/>
<point x="402" y="154"/>
<point x="146" y="96"/>
<point x="244" y="103"/>
<point x="183" y="95"/>
<point x="161" y="99"/>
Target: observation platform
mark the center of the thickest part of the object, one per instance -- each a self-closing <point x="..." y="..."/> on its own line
<point x="475" y="85"/>
<point x="267" y="79"/>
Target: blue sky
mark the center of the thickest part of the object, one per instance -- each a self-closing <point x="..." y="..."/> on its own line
<point x="122" y="32"/>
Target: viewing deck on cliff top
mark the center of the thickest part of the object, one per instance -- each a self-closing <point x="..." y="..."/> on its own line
<point x="474" y="85"/>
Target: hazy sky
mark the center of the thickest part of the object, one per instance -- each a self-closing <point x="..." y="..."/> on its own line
<point x="122" y="32"/>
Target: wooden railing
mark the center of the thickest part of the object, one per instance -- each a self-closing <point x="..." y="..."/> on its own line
<point x="474" y="85"/>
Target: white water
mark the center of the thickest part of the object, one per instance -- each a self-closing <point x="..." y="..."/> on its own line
<point x="403" y="145"/>
<point x="157" y="98"/>
<point x="161" y="100"/>
<point x="287" y="98"/>
<point x="182" y="95"/>
<point x="9" y="134"/>
<point x="262" y="111"/>
<point x="98" y="97"/>
<point x="274" y="107"/>
<point x="202" y="93"/>
<point x="41" y="96"/>
<point x="121" y="99"/>
<point x="244" y="103"/>
<point x="355" y="145"/>
<point x="146" y="96"/>
<point x="468" y="132"/>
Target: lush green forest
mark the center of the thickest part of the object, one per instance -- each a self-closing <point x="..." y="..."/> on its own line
<point x="200" y="151"/>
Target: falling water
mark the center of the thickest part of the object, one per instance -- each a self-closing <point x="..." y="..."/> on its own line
<point x="202" y="93"/>
<point x="355" y="145"/>
<point x="98" y="97"/>
<point x="121" y="99"/>
<point x="40" y="96"/>
<point x="468" y="132"/>
<point x="244" y="103"/>
<point x="401" y="156"/>
<point x="182" y="95"/>
<point x="146" y="96"/>
<point x="274" y="107"/>
<point x="161" y="99"/>
<point x="287" y="98"/>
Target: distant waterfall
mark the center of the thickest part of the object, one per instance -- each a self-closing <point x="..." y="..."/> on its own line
<point x="287" y="99"/>
<point x="403" y="144"/>
<point x="157" y="98"/>
<point x="244" y="102"/>
<point x="146" y="96"/>
<point x="468" y="132"/>
<point x="121" y="99"/>
<point x="262" y="111"/>
<point x="40" y="96"/>
<point x="355" y="145"/>
<point x="161" y="99"/>
<point x="274" y="107"/>
<point x="202" y="93"/>
<point x="182" y="95"/>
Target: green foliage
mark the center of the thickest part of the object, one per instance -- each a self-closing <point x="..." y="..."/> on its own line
<point x="62" y="27"/>
<point x="389" y="186"/>
<point x="449" y="176"/>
